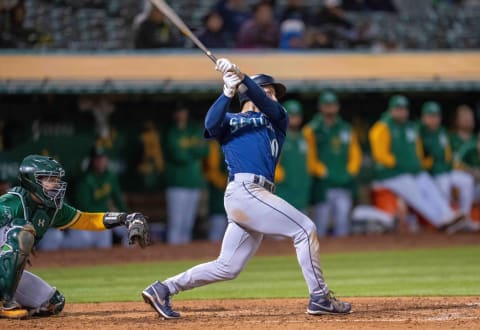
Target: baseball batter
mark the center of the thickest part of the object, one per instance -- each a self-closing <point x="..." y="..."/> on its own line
<point x="251" y="142"/>
<point x="26" y="212"/>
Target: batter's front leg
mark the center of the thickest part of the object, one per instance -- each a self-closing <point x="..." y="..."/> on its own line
<point x="238" y="247"/>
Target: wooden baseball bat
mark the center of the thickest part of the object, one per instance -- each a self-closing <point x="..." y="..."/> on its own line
<point x="178" y="22"/>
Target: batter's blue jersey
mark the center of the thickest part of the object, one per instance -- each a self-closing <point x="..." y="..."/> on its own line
<point x="251" y="141"/>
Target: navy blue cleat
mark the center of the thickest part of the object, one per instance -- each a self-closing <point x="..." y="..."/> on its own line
<point x="158" y="296"/>
<point x="328" y="304"/>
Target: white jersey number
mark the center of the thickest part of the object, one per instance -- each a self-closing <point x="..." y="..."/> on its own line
<point x="274" y="147"/>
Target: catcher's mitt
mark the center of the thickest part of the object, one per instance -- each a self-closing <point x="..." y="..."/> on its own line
<point x="138" y="231"/>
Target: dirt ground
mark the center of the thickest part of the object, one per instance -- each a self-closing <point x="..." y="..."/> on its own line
<point x="378" y="313"/>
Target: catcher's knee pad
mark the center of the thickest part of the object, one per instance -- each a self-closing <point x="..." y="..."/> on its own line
<point x="52" y="307"/>
<point x="14" y="252"/>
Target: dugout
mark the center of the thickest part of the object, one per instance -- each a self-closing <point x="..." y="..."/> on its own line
<point x="46" y="100"/>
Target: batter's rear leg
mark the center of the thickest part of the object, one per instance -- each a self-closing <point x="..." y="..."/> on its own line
<point x="238" y="247"/>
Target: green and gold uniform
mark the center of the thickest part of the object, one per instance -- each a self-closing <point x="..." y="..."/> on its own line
<point x="184" y="149"/>
<point x="396" y="148"/>
<point x="334" y="155"/>
<point x="437" y="152"/>
<point x="468" y="156"/>
<point x="17" y="204"/>
<point x="457" y="142"/>
<point x="293" y="182"/>
<point x="398" y="154"/>
<point x="23" y="222"/>
<point x="333" y="159"/>
<point x="439" y="161"/>
<point x="26" y="212"/>
<point x="96" y="191"/>
<point x="216" y="174"/>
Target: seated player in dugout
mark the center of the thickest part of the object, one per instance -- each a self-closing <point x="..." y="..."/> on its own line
<point x="397" y="151"/>
<point x="438" y="159"/>
<point x="27" y="211"/>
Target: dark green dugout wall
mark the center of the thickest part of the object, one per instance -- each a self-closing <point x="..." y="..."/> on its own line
<point x="54" y="124"/>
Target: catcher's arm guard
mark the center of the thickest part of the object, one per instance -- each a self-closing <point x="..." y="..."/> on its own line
<point x="136" y="223"/>
<point x="114" y="219"/>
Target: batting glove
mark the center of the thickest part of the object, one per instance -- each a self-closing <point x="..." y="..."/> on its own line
<point x="231" y="81"/>
<point x="224" y="66"/>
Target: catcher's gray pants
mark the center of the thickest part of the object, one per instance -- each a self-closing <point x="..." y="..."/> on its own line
<point x="253" y="211"/>
<point x="33" y="292"/>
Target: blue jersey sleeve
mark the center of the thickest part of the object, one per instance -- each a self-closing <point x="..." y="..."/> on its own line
<point x="272" y="109"/>
<point x="215" y="118"/>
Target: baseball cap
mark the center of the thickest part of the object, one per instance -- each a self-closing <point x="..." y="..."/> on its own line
<point x="398" y="101"/>
<point x="327" y="97"/>
<point x="293" y="107"/>
<point x="431" y="107"/>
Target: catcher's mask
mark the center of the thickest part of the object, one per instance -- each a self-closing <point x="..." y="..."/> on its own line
<point x="42" y="176"/>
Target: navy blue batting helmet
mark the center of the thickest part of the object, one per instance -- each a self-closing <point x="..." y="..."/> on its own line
<point x="264" y="80"/>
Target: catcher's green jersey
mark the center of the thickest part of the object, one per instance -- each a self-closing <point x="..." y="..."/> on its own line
<point x="17" y="203"/>
<point x="436" y="147"/>
<point x="293" y="181"/>
<point x="184" y="149"/>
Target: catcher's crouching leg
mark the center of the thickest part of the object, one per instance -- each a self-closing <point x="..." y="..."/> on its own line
<point x="52" y="307"/>
<point x="19" y="238"/>
<point x="38" y="297"/>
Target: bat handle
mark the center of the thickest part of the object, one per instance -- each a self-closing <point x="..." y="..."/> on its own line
<point x="211" y="56"/>
<point x="241" y="88"/>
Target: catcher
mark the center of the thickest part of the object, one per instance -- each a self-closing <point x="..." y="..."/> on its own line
<point x="26" y="212"/>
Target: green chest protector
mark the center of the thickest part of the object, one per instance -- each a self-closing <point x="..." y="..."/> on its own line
<point x="40" y="218"/>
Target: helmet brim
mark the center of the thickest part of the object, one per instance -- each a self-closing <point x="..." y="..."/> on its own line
<point x="280" y="90"/>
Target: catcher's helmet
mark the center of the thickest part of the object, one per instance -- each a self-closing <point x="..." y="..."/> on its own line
<point x="264" y="80"/>
<point x="34" y="168"/>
